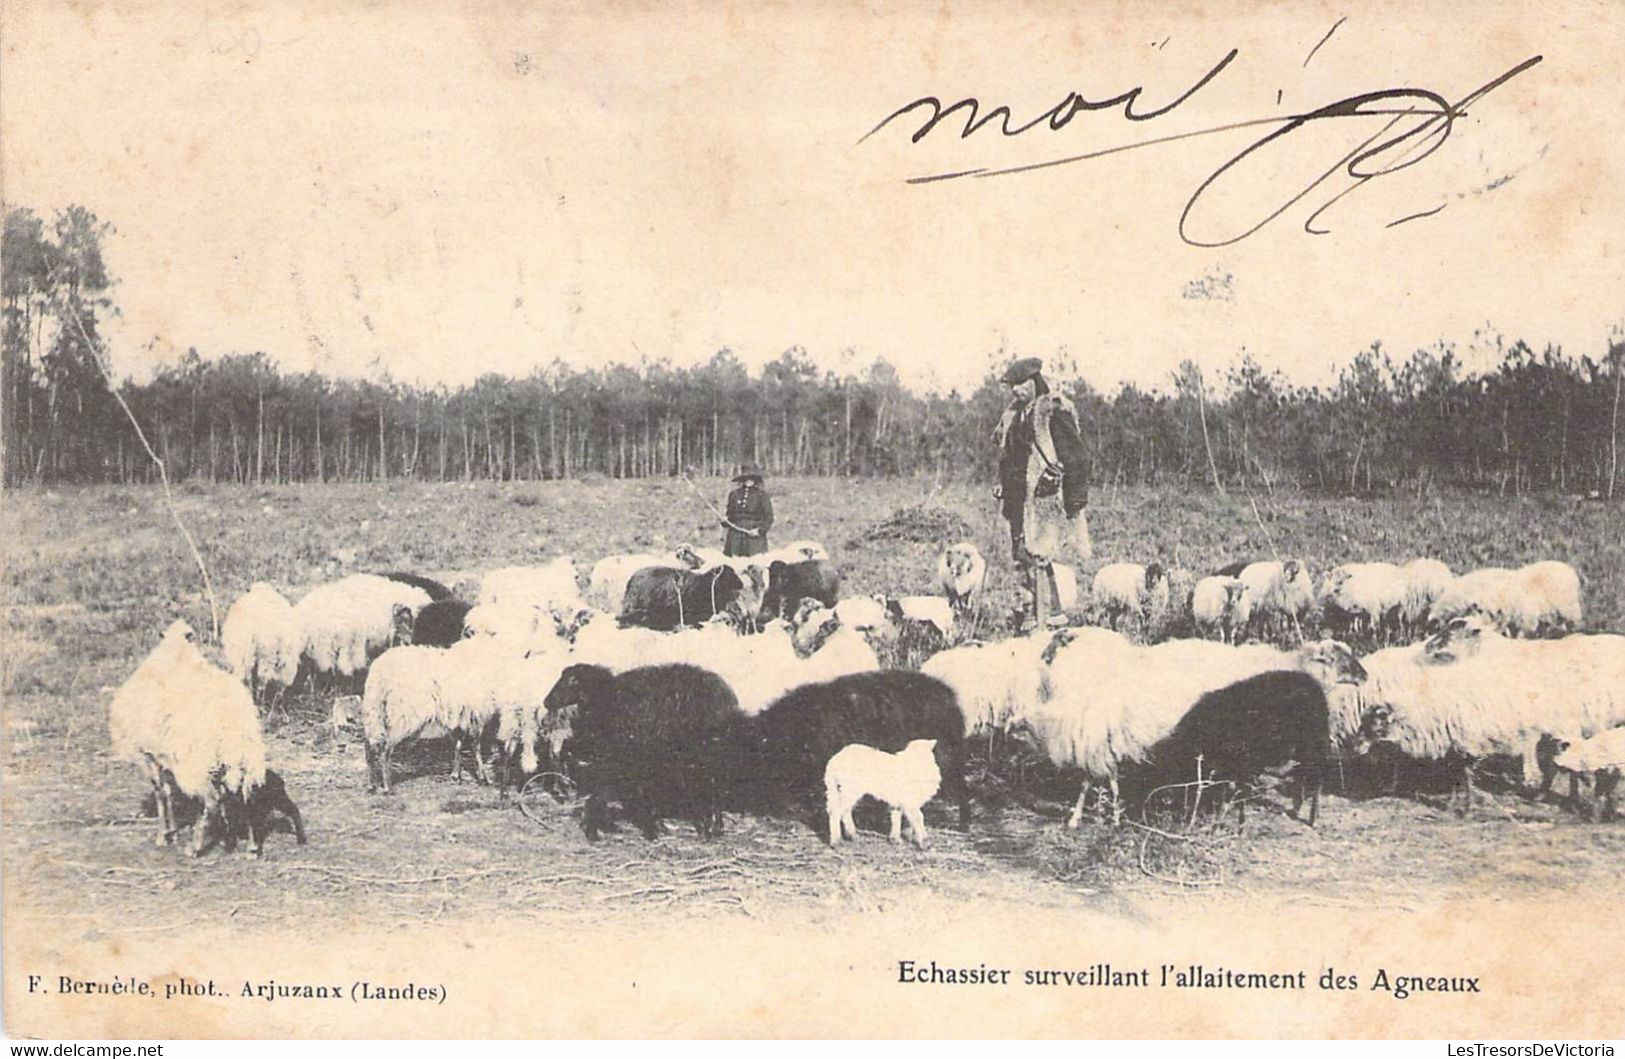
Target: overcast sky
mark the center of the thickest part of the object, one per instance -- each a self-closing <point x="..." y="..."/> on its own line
<point x="440" y="193"/>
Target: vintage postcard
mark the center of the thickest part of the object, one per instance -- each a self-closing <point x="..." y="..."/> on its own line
<point x="736" y="519"/>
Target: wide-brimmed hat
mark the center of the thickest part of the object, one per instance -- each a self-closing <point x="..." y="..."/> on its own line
<point x="748" y="470"/>
<point x="1022" y="370"/>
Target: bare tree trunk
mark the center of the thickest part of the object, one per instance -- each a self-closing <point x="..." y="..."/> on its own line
<point x="1201" y="412"/>
<point x="1613" y="436"/>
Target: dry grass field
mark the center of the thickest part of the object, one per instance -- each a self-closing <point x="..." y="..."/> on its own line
<point x="94" y="574"/>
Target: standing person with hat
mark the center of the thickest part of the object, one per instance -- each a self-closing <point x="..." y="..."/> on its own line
<point x="750" y="514"/>
<point x="1043" y="485"/>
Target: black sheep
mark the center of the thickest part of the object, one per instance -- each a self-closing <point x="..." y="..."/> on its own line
<point x="434" y="588"/>
<point x="440" y="624"/>
<point x="1233" y="569"/>
<point x="665" y="599"/>
<point x="783" y="750"/>
<point x="790" y="583"/>
<point x="652" y="738"/>
<point x="250" y="818"/>
<point x="1255" y="724"/>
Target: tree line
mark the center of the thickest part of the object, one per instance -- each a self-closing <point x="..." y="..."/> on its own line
<point x="1535" y="421"/>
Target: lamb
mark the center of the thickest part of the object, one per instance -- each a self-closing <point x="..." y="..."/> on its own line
<point x="1122" y="590"/>
<point x="1602" y="757"/>
<point x="962" y="573"/>
<point x="1283" y="592"/>
<point x="435" y="589"/>
<point x="249" y="818"/>
<point x="1221" y="606"/>
<point x="787" y="745"/>
<point x="1111" y="701"/>
<point x="192" y="725"/>
<point x="669" y="599"/>
<point x="652" y="738"/>
<point x="1364" y="598"/>
<point x="348" y="622"/>
<point x="262" y="639"/>
<point x="441" y="623"/>
<point x="788" y="584"/>
<point x="905" y="781"/>
<point x="607" y="582"/>
<point x="1470" y="692"/>
<point x="1238" y="731"/>
<point x="934" y="611"/>
<point x="405" y="698"/>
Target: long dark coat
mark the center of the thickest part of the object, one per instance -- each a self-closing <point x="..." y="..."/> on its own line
<point x="754" y="511"/>
<point x="1044" y="475"/>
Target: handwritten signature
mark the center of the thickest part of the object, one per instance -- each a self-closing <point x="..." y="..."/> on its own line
<point x="1419" y="123"/>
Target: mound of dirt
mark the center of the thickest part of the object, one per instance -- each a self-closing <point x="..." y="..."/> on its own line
<point x="921" y="524"/>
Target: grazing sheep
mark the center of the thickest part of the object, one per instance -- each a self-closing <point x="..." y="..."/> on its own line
<point x="441" y="623"/>
<point x="1489" y="590"/>
<point x="1122" y="590"/>
<point x="186" y="721"/>
<point x="670" y="599"/>
<point x="652" y="738"/>
<point x="962" y="572"/>
<point x="435" y="589"/>
<point x="1426" y="580"/>
<point x="1602" y="757"/>
<point x="863" y="613"/>
<point x="904" y="781"/>
<point x="1530" y="601"/>
<point x="1238" y="731"/>
<point x="348" y="622"/>
<point x="1221" y="606"/>
<point x="607" y="582"/>
<point x="784" y="748"/>
<point x="1471" y="692"/>
<point x="405" y="698"/>
<point x="262" y="639"/>
<point x="1364" y="598"/>
<point x="934" y="611"/>
<point x="789" y="584"/>
<point x="1283" y="592"/>
<point x="263" y="801"/>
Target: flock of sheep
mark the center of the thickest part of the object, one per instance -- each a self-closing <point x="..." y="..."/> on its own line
<point x="689" y="684"/>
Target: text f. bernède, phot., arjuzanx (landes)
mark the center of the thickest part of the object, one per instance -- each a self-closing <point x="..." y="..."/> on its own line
<point x="360" y="991"/>
<point x="1184" y="976"/>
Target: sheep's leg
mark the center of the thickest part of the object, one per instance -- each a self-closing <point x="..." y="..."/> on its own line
<point x="896" y="824"/>
<point x="916" y="825"/>
<point x="383" y="765"/>
<point x="1117" y="802"/>
<point x="1076" y="818"/>
<point x="1466" y="788"/>
<point x="849" y="826"/>
<point x="1531" y="766"/>
<point x="836" y="825"/>
<point x="457" y="756"/>
<point x="160" y="797"/>
<point x="291" y="811"/>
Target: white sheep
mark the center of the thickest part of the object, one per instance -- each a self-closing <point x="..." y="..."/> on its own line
<point x="1282" y="591"/>
<point x="931" y="610"/>
<point x="1221" y="606"/>
<point x="863" y="613"/>
<point x="262" y="640"/>
<point x="345" y="623"/>
<point x="554" y="586"/>
<point x="607" y="582"/>
<point x="522" y="626"/>
<point x="405" y="698"/>
<point x="1366" y="597"/>
<point x="1123" y="590"/>
<point x="1471" y="692"/>
<point x="997" y="682"/>
<point x="184" y="720"/>
<point x="904" y="781"/>
<point x="1426" y="580"/>
<point x="1523" y="602"/>
<point x="1111" y="701"/>
<point x="962" y="573"/>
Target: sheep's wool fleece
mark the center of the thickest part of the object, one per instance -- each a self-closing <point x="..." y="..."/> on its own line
<point x="190" y="717"/>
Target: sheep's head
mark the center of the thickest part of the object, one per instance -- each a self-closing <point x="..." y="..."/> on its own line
<point x="1153" y="574"/>
<point x="690" y="558"/>
<point x="1376" y="726"/>
<point x="401" y="618"/>
<point x="1331" y="662"/>
<point x="1234" y="589"/>
<point x="570" y="620"/>
<point x="1552" y="751"/>
<point x="180" y="631"/>
<point x="1061" y="639"/>
<point x="1461" y="637"/>
<point x="752" y="586"/>
<point x="806" y="609"/>
<point x="920" y="746"/>
<point x="578" y="684"/>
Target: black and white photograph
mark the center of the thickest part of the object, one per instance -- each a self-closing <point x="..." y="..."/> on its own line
<point x="762" y="520"/>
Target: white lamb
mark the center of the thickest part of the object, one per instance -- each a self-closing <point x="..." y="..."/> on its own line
<point x="904" y="781"/>
<point x="262" y="639"/>
<point x="184" y="720"/>
<point x="932" y="610"/>
<point x="1123" y="590"/>
<point x="962" y="573"/>
<point x="1367" y="597"/>
<point x="1283" y="592"/>
<point x="1221" y="606"/>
